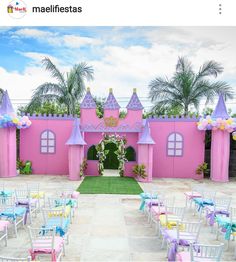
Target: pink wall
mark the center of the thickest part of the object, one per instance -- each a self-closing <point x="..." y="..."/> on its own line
<point x="220" y="152"/>
<point x="8" y="152"/>
<point x="193" y="151"/>
<point x="30" y="146"/>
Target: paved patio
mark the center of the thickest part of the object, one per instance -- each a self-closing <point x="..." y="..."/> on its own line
<point x="110" y="227"/>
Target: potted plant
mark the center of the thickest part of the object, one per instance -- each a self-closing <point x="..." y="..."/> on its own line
<point x="140" y="172"/>
<point x="202" y="169"/>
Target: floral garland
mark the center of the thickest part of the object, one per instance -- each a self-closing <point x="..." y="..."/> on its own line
<point x="13" y="120"/>
<point x="120" y="141"/>
<point x="208" y="123"/>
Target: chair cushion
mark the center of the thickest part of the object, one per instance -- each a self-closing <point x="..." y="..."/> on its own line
<point x="158" y="210"/>
<point x="39" y="245"/>
<point x="4" y="224"/>
<point x="172" y="221"/>
<point x="18" y="212"/>
<point x="75" y="195"/>
<point x="191" y="194"/>
<point x="183" y="257"/>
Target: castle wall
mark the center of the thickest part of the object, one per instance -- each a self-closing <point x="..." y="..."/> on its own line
<point x="193" y="149"/>
<point x="55" y="164"/>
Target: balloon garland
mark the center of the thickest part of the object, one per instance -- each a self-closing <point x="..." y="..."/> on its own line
<point x="217" y="124"/>
<point x="13" y="120"/>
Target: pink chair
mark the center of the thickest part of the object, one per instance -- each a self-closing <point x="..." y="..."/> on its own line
<point x="44" y="241"/>
<point x="197" y="191"/>
<point x="3" y="230"/>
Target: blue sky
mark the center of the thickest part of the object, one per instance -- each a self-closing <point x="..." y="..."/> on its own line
<point x="123" y="57"/>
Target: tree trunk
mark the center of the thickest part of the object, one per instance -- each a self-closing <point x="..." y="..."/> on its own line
<point x="185" y="110"/>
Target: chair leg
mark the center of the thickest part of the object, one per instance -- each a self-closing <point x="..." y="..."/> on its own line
<point x="15" y="229"/>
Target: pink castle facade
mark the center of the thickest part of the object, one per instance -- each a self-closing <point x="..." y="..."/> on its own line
<point x="168" y="147"/>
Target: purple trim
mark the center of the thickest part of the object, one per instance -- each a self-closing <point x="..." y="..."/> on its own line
<point x="146" y="137"/>
<point x="134" y="103"/>
<point x="136" y="128"/>
<point x="174" y="148"/>
<point x="47" y="139"/>
<point x="6" y="105"/>
<point x="76" y="136"/>
<point x="220" y="110"/>
<point x="174" y="119"/>
<point x="111" y="102"/>
<point x="88" y="101"/>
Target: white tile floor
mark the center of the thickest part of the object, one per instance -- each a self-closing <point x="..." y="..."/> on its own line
<point x="110" y="227"/>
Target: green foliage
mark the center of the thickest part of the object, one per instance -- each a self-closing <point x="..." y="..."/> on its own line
<point x="24" y="167"/>
<point x="122" y="114"/>
<point x="187" y="88"/>
<point x="121" y="152"/>
<point x="67" y="90"/>
<point x="140" y="171"/>
<point x="83" y="167"/>
<point x="1" y="94"/>
<point x="100" y="104"/>
<point x="202" y="169"/>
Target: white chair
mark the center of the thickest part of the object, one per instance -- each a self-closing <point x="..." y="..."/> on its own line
<point x="14" y="259"/>
<point x="48" y="243"/>
<point x="70" y="192"/>
<point x="201" y="252"/>
<point x="56" y="218"/>
<point x="221" y="207"/>
<point x="36" y="193"/>
<point x="3" y="230"/>
<point x="196" y="191"/>
<point x="223" y="223"/>
<point x="24" y="199"/>
<point x="208" y="198"/>
<point x="10" y="212"/>
<point x="185" y="234"/>
<point x="156" y="211"/>
<point x="173" y="215"/>
<point x="56" y="202"/>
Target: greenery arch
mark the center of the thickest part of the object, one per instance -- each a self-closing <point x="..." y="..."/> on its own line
<point x="120" y="141"/>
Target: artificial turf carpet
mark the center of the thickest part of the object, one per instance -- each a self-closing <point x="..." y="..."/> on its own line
<point x="109" y="185"/>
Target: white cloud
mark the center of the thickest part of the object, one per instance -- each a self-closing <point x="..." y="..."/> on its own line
<point x="54" y="39"/>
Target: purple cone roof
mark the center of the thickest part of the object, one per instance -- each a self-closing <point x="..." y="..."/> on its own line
<point x="6" y="105"/>
<point x="88" y="101"/>
<point x="146" y="138"/>
<point x="134" y="103"/>
<point x="220" y="110"/>
<point x="111" y="102"/>
<point x="76" y="137"/>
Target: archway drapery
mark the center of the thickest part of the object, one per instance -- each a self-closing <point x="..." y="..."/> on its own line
<point x="120" y="142"/>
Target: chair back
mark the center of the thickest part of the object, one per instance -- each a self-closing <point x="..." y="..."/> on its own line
<point x="222" y="203"/>
<point x="208" y="194"/>
<point x="189" y="231"/>
<point x="168" y="201"/>
<point x="7" y="202"/>
<point x="33" y="187"/>
<point x="53" y="213"/>
<point x="41" y="240"/>
<point x="22" y="194"/>
<point x="14" y="259"/>
<point x="199" y="252"/>
<point x="198" y="189"/>
<point x="56" y="202"/>
<point x="232" y="214"/>
<point x="2" y="186"/>
<point x="174" y="213"/>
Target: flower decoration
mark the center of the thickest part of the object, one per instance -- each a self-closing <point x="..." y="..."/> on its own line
<point x="208" y="123"/>
<point x="13" y="120"/>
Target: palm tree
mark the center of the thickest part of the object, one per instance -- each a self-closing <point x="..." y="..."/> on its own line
<point x="1" y="94"/>
<point x="67" y="90"/>
<point x="187" y="88"/>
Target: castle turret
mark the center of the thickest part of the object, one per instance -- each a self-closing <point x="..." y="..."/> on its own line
<point x="220" y="145"/>
<point x="145" y="151"/>
<point x="111" y="106"/>
<point x="7" y="141"/>
<point x="88" y="108"/>
<point x="76" y="151"/>
<point x="134" y="109"/>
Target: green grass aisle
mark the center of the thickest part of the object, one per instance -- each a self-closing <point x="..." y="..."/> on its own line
<point x="109" y="185"/>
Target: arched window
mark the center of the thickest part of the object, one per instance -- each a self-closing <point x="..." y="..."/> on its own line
<point x="47" y="142"/>
<point x="175" y="145"/>
<point x="92" y="153"/>
<point x="130" y="154"/>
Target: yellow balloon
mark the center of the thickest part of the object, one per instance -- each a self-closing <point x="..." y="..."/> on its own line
<point x="234" y="137"/>
<point x="15" y="120"/>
